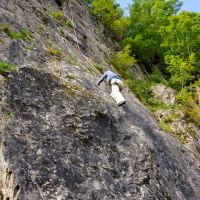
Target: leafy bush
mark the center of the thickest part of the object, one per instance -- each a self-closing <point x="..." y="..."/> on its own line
<point x="165" y="126"/>
<point x="193" y="111"/>
<point x="181" y="70"/>
<point x="122" y="61"/>
<point x="109" y="13"/>
<point x="142" y="89"/>
<point x="154" y="105"/>
<point x="4" y="66"/>
<point x="58" y="15"/>
<point x="180" y="42"/>
<point x="189" y="105"/>
<point x="146" y="18"/>
<point x="157" y="77"/>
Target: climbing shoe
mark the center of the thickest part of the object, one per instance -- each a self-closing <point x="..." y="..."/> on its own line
<point x="121" y="103"/>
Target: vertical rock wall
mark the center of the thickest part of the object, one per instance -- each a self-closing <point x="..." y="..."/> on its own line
<point x="62" y="137"/>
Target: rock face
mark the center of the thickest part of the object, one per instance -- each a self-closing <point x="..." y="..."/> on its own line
<point x="64" y="138"/>
<point x="164" y="93"/>
<point x="188" y="133"/>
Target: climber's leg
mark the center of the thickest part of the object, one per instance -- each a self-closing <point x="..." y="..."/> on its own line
<point x="119" y="83"/>
<point x="116" y="94"/>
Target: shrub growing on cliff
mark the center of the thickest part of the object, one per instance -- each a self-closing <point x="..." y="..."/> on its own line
<point x="122" y="61"/>
<point x="110" y="14"/>
<point x="157" y="77"/>
<point x="141" y="88"/>
<point x="58" y="15"/>
<point x="165" y="125"/>
<point x="22" y="34"/>
<point x="181" y="40"/>
<point x="4" y="66"/>
<point x="189" y="105"/>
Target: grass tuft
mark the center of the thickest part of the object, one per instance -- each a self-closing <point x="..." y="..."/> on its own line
<point x="54" y="51"/>
<point x="22" y="34"/>
<point x="58" y="15"/>
<point x="4" y="66"/>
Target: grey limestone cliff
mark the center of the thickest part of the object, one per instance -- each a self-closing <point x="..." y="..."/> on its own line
<point x="62" y="137"/>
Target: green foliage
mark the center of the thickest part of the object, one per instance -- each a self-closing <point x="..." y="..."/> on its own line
<point x="71" y="76"/>
<point x="181" y="35"/>
<point x="122" y="61"/>
<point x="165" y="126"/>
<point x="106" y="10"/>
<point x="61" y="31"/>
<point x="142" y="88"/>
<point x="181" y="70"/>
<point x="181" y="41"/>
<point x="155" y="104"/>
<point x="110" y="14"/>
<point x="58" y="15"/>
<point x="146" y="18"/>
<point x="180" y="135"/>
<point x="157" y="77"/>
<point x="71" y="89"/>
<point x="4" y="66"/>
<point x="156" y="35"/>
<point x="189" y="105"/>
<point x="68" y="23"/>
<point x="22" y="34"/>
<point x="10" y="115"/>
<point x="40" y="29"/>
<point x="197" y="83"/>
<point x="119" y="27"/>
<point x="193" y="110"/>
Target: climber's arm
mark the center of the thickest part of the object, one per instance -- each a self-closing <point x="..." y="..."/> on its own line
<point x="102" y="78"/>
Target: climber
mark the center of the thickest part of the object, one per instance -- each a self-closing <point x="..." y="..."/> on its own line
<point x="116" y="84"/>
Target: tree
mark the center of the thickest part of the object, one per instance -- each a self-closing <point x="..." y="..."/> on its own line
<point x="106" y="10"/>
<point x="146" y="18"/>
<point x="181" y="41"/>
<point x="110" y="14"/>
<point x="181" y="69"/>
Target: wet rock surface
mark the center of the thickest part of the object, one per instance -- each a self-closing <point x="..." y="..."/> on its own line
<point x="65" y="138"/>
